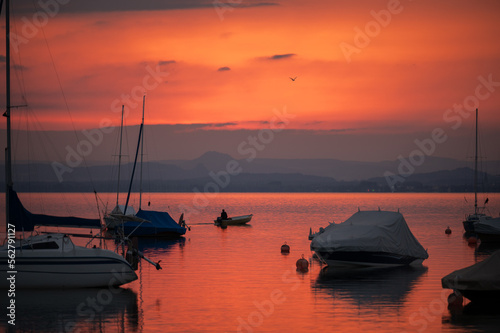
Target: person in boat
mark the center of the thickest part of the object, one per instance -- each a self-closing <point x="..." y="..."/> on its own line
<point x="181" y="222"/>
<point x="223" y="215"/>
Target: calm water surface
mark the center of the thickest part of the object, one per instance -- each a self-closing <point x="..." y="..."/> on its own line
<point x="236" y="279"/>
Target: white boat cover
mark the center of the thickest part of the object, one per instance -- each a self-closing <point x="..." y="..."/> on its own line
<point x="120" y="208"/>
<point x="484" y="275"/>
<point x="370" y="231"/>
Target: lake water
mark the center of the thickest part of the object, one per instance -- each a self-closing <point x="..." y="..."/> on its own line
<point x="237" y="280"/>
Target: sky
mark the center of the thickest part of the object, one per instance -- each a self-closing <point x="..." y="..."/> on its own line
<point x="373" y="80"/>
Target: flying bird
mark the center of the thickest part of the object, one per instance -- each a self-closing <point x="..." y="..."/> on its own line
<point x="293" y="78"/>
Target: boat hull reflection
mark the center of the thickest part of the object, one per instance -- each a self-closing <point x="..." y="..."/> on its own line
<point x="73" y="310"/>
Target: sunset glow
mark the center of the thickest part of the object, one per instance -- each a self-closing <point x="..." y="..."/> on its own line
<point x="372" y="66"/>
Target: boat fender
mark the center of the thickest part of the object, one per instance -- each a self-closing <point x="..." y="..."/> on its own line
<point x="285" y="248"/>
<point x="447" y="231"/>
<point x="455" y="299"/>
<point x="133" y="259"/>
<point x="302" y="265"/>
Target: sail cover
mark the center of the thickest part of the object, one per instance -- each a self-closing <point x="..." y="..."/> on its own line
<point x="370" y="231"/>
<point x="24" y="220"/>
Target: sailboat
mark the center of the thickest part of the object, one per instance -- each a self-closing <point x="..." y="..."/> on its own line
<point x="50" y="260"/>
<point x="471" y="219"/>
<point x="144" y="222"/>
<point x="119" y="214"/>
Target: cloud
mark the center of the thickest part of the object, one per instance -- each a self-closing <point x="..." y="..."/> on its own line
<point x="202" y="126"/>
<point x="281" y="56"/>
<point x="333" y="131"/>
<point x="166" y="62"/>
<point x="223" y="69"/>
<point x="90" y="6"/>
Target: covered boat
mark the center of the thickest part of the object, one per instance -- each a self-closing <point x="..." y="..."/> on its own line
<point x="488" y="229"/>
<point x="369" y="238"/>
<point x="479" y="282"/>
<point x="154" y="223"/>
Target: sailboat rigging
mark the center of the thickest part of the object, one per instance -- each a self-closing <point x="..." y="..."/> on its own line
<point x="144" y="222"/>
<point x="472" y="219"/>
<point x="52" y="260"/>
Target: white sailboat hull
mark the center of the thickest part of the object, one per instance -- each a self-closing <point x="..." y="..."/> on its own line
<point x="68" y="266"/>
<point x="68" y="273"/>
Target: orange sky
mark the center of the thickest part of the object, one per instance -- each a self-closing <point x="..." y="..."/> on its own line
<point x="426" y="58"/>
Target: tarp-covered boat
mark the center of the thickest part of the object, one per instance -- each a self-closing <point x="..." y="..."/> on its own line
<point x="488" y="229"/>
<point x="479" y="282"/>
<point x="369" y="238"/>
<point x="154" y="224"/>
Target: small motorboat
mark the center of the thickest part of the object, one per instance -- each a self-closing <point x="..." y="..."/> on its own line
<point x="480" y="282"/>
<point x="237" y="220"/>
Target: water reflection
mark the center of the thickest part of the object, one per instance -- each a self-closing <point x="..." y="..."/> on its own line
<point x="486" y="249"/>
<point x="369" y="286"/>
<point x="164" y="244"/>
<point x="474" y="316"/>
<point x="75" y="310"/>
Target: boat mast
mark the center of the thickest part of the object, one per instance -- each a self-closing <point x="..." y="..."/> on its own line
<point x="8" y="150"/>
<point x="475" y="173"/>
<point x="120" y="159"/>
<point x="142" y="151"/>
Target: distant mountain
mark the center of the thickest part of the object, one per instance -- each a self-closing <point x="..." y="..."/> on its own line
<point x="337" y="169"/>
<point x="458" y="180"/>
<point x="212" y="160"/>
<point x="435" y="174"/>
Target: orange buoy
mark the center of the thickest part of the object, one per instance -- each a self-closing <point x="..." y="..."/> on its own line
<point x="472" y="240"/>
<point x="302" y="265"/>
<point x="285" y="248"/>
<point x="447" y="231"/>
